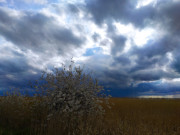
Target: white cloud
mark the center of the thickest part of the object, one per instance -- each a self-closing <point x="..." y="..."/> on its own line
<point x="140" y="37"/>
<point x="7" y="49"/>
<point x="2" y="1"/>
<point x="11" y="77"/>
<point x="142" y="3"/>
<point x="81" y="26"/>
<point x="72" y="1"/>
<point x="176" y="0"/>
<point x="171" y="82"/>
<point x="160" y="96"/>
<point x="35" y="1"/>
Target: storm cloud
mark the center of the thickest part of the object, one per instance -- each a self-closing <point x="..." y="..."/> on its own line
<point x="132" y="46"/>
<point x="37" y="32"/>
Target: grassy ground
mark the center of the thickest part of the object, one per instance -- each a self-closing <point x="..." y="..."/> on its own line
<point x="145" y="116"/>
<point x="27" y="116"/>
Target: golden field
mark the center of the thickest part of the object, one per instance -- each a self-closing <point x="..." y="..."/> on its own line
<point x="145" y="116"/>
<point x="127" y="116"/>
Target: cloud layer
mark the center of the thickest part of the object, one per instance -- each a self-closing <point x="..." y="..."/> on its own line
<point x="132" y="47"/>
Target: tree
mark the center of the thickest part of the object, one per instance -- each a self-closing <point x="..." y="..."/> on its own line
<point x="71" y="91"/>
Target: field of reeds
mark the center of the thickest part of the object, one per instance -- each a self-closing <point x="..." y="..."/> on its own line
<point x="21" y="115"/>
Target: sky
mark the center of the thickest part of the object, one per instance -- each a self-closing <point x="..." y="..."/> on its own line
<point x="131" y="46"/>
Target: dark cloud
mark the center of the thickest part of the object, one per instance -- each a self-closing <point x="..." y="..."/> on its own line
<point x="123" y="60"/>
<point x="165" y="14"/>
<point x="156" y="89"/>
<point x="16" y="73"/>
<point x="124" y="11"/>
<point x="73" y="8"/>
<point x="37" y="32"/>
<point x="150" y="56"/>
<point x="118" y="44"/>
<point x="5" y="19"/>
<point x="155" y="54"/>
<point x="176" y="62"/>
<point x="95" y="37"/>
<point x="133" y="73"/>
<point x="30" y="31"/>
<point x="168" y="15"/>
<point x="103" y="9"/>
<point x="143" y="89"/>
<point x="149" y="75"/>
<point x="12" y="66"/>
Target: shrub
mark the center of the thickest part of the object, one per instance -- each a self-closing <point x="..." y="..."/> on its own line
<point x="69" y="90"/>
<point x="20" y="114"/>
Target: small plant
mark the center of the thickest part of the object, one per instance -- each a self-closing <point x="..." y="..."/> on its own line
<point x="71" y="91"/>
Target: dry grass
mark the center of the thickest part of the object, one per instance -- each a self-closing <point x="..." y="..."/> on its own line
<point x="145" y="116"/>
<point x="25" y="116"/>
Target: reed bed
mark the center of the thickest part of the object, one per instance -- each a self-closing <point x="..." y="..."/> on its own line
<point x="20" y="115"/>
